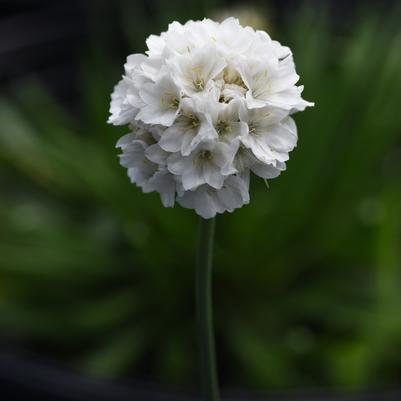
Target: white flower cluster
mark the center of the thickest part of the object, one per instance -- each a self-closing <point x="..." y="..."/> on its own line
<point x="207" y="104"/>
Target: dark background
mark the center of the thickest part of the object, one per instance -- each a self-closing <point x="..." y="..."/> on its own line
<point x="48" y="37"/>
<point x="96" y="278"/>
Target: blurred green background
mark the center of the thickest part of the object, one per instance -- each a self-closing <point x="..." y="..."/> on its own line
<point x="307" y="277"/>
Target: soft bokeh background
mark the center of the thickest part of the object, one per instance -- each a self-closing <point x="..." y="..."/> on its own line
<point x="98" y="276"/>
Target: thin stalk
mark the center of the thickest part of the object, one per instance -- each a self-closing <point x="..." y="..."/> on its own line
<point x="207" y="356"/>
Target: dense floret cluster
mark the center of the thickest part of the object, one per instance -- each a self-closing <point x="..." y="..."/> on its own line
<point x="208" y="103"/>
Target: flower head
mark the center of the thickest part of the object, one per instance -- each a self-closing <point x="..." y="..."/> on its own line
<point x="208" y="104"/>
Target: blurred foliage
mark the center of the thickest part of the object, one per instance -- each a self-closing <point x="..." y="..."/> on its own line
<point x="307" y="276"/>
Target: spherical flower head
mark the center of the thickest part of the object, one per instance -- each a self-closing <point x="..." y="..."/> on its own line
<point x="207" y="105"/>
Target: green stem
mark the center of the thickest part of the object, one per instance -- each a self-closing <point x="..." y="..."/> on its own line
<point x="208" y="371"/>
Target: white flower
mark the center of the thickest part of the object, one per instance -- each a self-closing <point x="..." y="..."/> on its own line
<point x="271" y="135"/>
<point x="193" y="71"/>
<point x="271" y="82"/>
<point x="228" y="124"/>
<point x="209" y="163"/>
<point x="193" y="125"/>
<point x="208" y="104"/>
<point x="160" y="102"/>
<point x="121" y="111"/>
<point x="207" y="201"/>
